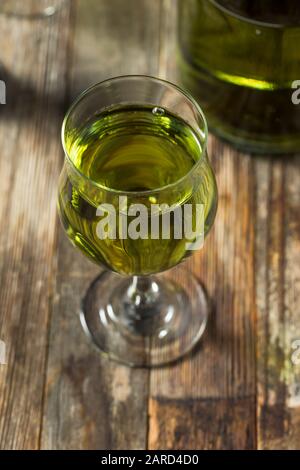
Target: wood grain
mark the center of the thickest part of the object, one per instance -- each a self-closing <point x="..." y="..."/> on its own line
<point x="221" y="374"/>
<point x="34" y="58"/>
<point x="240" y="388"/>
<point x="278" y="291"/>
<point x="222" y="371"/>
<point x="92" y="403"/>
<point x="215" y="424"/>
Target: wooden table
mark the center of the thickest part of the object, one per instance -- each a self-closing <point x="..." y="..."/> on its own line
<point x="241" y="389"/>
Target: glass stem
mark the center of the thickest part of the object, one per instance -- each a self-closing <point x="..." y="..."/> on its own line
<point x="140" y="285"/>
<point x="143" y="303"/>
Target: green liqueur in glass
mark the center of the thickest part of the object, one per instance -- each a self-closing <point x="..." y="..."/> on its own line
<point x="240" y="58"/>
<point x="133" y="149"/>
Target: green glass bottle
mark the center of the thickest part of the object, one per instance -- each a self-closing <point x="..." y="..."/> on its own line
<point x="241" y="59"/>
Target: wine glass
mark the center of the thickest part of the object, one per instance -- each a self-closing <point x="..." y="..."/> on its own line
<point x="137" y="195"/>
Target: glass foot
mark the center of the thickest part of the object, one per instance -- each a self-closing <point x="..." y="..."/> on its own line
<point x="145" y="321"/>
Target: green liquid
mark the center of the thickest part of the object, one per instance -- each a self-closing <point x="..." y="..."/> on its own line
<point x="133" y="149"/>
<point x="240" y="58"/>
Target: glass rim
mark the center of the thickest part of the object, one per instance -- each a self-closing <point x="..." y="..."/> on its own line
<point x="251" y="21"/>
<point x="101" y="186"/>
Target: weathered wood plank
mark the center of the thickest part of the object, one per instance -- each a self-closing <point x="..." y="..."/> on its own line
<point x="221" y="374"/>
<point x="224" y="366"/>
<point x="115" y="38"/>
<point x="278" y="293"/>
<point x="92" y="403"/>
<point x="208" y="401"/>
<point x="34" y="56"/>
<point x="215" y="424"/>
